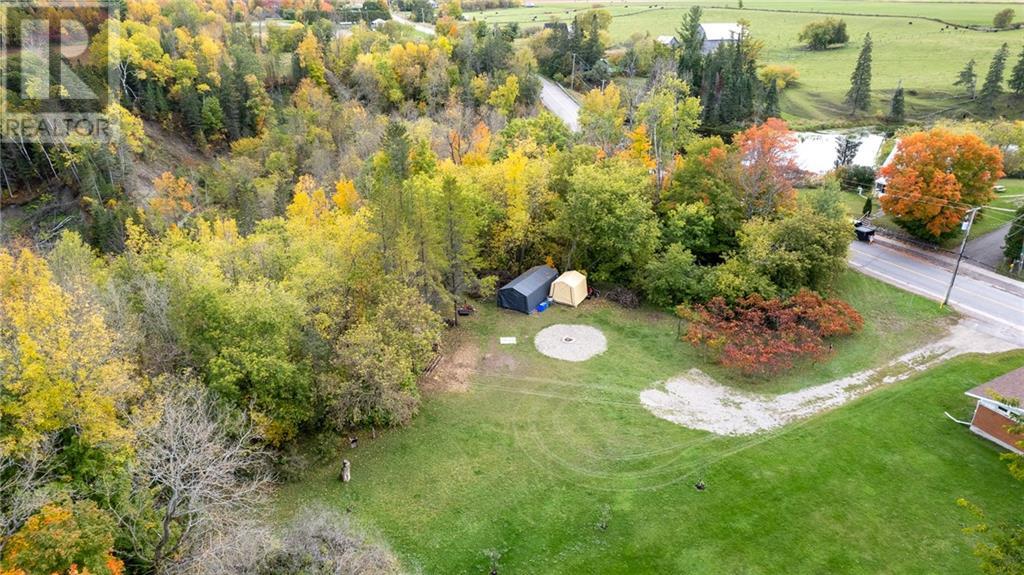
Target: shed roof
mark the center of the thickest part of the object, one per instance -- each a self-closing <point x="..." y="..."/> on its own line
<point x="1010" y="385"/>
<point x="666" y="40"/>
<point x="532" y="279"/>
<point x="722" y="30"/>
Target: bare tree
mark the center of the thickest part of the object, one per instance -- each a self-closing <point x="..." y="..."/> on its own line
<point x="199" y="473"/>
<point x="321" y="541"/>
<point x="22" y="493"/>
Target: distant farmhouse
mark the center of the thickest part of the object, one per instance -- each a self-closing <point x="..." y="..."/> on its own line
<point x="669" y="41"/>
<point x="718" y="33"/>
<point x="999" y="401"/>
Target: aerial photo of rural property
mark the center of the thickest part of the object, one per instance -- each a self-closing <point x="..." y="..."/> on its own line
<point x="444" y="287"/>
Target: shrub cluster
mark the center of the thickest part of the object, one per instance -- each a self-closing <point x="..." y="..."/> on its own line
<point x="762" y="337"/>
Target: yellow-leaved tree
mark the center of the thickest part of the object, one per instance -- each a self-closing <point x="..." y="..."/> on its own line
<point x="60" y="365"/>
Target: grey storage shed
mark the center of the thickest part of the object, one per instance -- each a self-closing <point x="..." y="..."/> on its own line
<point x="529" y="289"/>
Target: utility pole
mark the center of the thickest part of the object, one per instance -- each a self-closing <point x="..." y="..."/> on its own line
<point x="963" y="244"/>
<point x="572" y="76"/>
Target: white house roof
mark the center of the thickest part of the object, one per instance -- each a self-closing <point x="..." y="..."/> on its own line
<point x="666" y="40"/>
<point x="721" y="30"/>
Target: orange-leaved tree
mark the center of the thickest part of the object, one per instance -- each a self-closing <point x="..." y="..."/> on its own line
<point x="935" y="177"/>
<point x="768" y="169"/>
<point x="65" y="538"/>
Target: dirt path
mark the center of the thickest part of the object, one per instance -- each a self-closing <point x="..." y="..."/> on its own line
<point x="697" y="401"/>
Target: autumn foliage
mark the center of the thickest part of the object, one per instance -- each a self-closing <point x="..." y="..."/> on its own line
<point x="762" y="337"/>
<point x="935" y="176"/>
<point x="73" y="539"/>
<point x="766" y="182"/>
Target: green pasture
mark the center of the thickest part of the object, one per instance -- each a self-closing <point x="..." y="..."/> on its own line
<point x="923" y="54"/>
<point x="557" y="468"/>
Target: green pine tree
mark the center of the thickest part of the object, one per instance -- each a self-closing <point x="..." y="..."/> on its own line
<point x="691" y="59"/>
<point x="993" y="85"/>
<point x="859" y="96"/>
<point x="897" y="110"/>
<point x="968" y="78"/>
<point x="868" y="207"/>
<point x="1017" y="76"/>
<point x="771" y="100"/>
<point x="1013" y="245"/>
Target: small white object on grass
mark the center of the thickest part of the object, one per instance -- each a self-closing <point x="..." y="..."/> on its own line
<point x="507" y="340"/>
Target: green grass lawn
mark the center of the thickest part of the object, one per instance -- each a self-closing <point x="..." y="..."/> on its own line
<point x="532" y="457"/>
<point x="907" y="48"/>
<point x="992" y="220"/>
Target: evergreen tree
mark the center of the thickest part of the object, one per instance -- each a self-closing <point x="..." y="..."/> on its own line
<point x="192" y="112"/>
<point x="771" y="100"/>
<point x="868" y="207"/>
<point x="1013" y="245"/>
<point x="968" y="78"/>
<point x="993" y="85"/>
<point x="593" y="49"/>
<point x="846" y="151"/>
<point x="897" y="110"/>
<point x="1017" y="76"/>
<point x="396" y="146"/>
<point x="231" y="87"/>
<point x="859" y="96"/>
<point x="691" y="58"/>
<point x="730" y="87"/>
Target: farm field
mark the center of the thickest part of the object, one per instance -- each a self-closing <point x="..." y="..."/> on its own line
<point x="538" y="455"/>
<point x="924" y="54"/>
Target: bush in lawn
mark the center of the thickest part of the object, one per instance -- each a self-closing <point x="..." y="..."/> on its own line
<point x="762" y="337"/>
<point x="821" y="34"/>
<point x="781" y="74"/>
<point x="321" y="542"/>
<point x="1003" y="18"/>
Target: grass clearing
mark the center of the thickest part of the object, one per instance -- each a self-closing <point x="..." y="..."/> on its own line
<point x="537" y="452"/>
<point x="992" y="220"/>
<point x="924" y="54"/>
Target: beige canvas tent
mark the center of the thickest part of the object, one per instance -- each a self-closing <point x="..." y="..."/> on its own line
<point x="570" y="288"/>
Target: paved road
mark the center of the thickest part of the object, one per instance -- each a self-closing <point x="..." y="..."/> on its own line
<point x="988" y="249"/>
<point x="995" y="302"/>
<point x="552" y="96"/>
<point x="427" y="29"/>
<point x="555" y="99"/>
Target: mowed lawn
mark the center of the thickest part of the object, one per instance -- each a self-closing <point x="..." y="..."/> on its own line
<point x="1011" y="199"/>
<point x="920" y="53"/>
<point x="539" y="455"/>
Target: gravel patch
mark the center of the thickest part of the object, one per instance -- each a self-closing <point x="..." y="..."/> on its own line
<point x="570" y="342"/>
<point x="697" y="401"/>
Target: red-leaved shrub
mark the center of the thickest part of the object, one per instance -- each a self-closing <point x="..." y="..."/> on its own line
<point x="766" y="336"/>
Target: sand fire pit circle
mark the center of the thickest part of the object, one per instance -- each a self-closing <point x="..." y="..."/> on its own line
<point x="570" y="342"/>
